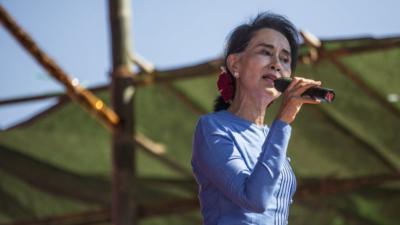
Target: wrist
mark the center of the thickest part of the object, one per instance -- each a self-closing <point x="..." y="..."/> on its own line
<point x="285" y="117"/>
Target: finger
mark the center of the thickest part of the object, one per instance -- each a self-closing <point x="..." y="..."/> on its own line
<point x="295" y="81"/>
<point x="309" y="81"/>
<point x="301" y="89"/>
<point x="303" y="82"/>
<point x="309" y="100"/>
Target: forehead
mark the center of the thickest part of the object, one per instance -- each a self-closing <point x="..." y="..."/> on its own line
<point x="270" y="37"/>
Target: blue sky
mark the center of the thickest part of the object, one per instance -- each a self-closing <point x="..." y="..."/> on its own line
<point x="168" y="33"/>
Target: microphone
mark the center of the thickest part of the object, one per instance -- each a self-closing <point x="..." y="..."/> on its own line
<point x="323" y="94"/>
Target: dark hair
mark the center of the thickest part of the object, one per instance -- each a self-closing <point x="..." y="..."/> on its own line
<point x="241" y="36"/>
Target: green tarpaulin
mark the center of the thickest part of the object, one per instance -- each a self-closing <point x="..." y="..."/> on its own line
<point x="346" y="155"/>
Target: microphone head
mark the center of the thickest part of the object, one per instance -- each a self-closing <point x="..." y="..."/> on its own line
<point x="282" y="83"/>
<point x="323" y="94"/>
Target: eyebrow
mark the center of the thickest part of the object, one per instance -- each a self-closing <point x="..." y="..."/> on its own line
<point x="271" y="46"/>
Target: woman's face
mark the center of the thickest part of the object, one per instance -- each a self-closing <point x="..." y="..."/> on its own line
<point x="266" y="58"/>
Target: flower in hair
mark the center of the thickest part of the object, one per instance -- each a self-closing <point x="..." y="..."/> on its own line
<point x="225" y="85"/>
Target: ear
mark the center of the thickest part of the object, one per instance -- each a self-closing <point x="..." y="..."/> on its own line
<point x="233" y="63"/>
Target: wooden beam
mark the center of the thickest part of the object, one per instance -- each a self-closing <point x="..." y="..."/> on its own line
<point x="369" y="90"/>
<point x="102" y="216"/>
<point x="370" y="39"/>
<point x="366" y="48"/>
<point x="149" y="145"/>
<point x="310" y="187"/>
<point x="60" y="95"/>
<point x="157" y="151"/>
<point x="367" y="146"/>
<point x="204" y="69"/>
<point x="39" y="115"/>
<point x="314" y="43"/>
<point x="84" y="97"/>
<point x="328" y="186"/>
<point x="177" y="206"/>
<point x="350" y="216"/>
<point x="195" y="108"/>
<point x="142" y="79"/>
<point x="56" y="181"/>
<point x="52" y="179"/>
<point x="199" y="70"/>
<point x="124" y="181"/>
<point x="29" y="98"/>
<point x="99" y="216"/>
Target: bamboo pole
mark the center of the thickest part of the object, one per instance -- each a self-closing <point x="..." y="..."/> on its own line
<point x="314" y="43"/>
<point x="124" y="205"/>
<point x="78" y="93"/>
<point x="364" y="86"/>
<point x="204" y="69"/>
<point x="307" y="187"/>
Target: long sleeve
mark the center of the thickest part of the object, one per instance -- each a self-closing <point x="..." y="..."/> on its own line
<point x="217" y="157"/>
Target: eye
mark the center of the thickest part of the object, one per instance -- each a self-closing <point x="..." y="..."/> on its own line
<point x="265" y="52"/>
<point x="285" y="60"/>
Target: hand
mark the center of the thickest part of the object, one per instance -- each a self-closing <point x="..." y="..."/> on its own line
<point x="292" y="99"/>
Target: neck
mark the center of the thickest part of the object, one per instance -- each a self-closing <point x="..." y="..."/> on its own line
<point x="249" y="108"/>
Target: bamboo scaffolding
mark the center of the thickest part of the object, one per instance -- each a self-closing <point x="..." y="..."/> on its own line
<point x="345" y="128"/>
<point x="81" y="95"/>
<point x="181" y="96"/>
<point x="203" y="69"/>
<point x="307" y="187"/>
<point x="329" y="186"/>
<point x="317" y="45"/>
<point x="125" y="210"/>
<point x="369" y="90"/>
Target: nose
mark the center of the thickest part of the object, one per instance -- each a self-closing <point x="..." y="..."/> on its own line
<point x="274" y="65"/>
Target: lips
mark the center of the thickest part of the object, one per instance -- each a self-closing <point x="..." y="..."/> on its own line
<point x="269" y="77"/>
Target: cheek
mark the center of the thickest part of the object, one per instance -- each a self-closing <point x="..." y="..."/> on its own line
<point x="255" y="64"/>
<point x="287" y="72"/>
<point x="251" y="69"/>
<point x="248" y="80"/>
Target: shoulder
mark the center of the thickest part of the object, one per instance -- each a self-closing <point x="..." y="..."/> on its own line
<point x="210" y="129"/>
<point x="213" y="121"/>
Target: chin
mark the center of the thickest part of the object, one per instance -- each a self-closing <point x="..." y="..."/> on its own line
<point x="272" y="92"/>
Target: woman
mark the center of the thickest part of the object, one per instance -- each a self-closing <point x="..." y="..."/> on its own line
<point x="239" y="163"/>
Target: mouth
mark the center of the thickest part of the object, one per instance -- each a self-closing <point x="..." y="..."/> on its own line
<point x="270" y="78"/>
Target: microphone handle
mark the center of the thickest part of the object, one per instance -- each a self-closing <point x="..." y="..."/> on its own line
<point x="323" y="94"/>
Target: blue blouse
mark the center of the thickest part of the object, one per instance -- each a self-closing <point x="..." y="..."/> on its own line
<point x="242" y="170"/>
